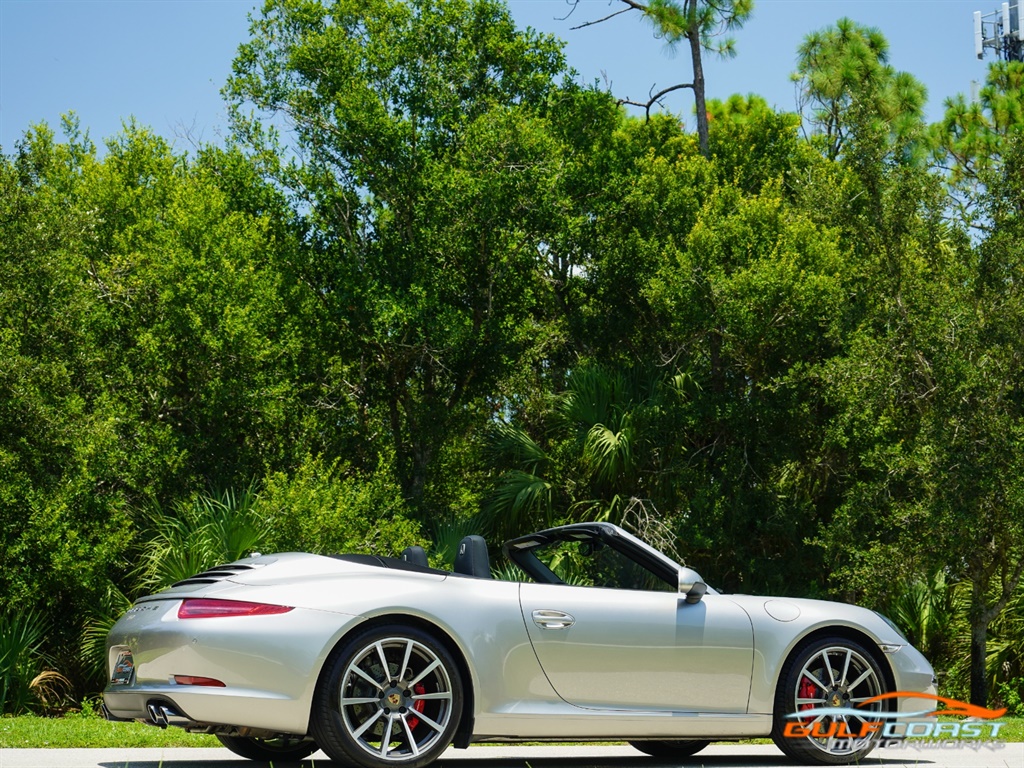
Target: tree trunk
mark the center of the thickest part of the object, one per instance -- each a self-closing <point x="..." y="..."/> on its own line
<point x="979" y="616"/>
<point x="717" y="374"/>
<point x="693" y="36"/>
<point x="979" y="680"/>
<point x="422" y="456"/>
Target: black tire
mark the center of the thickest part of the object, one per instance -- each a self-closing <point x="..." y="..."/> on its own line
<point x="829" y="673"/>
<point x="670" y="748"/>
<point x="417" y="701"/>
<point x="283" y="750"/>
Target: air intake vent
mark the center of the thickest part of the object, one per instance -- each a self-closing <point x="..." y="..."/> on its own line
<point x="214" y="575"/>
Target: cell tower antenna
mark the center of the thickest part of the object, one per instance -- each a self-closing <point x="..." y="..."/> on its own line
<point x="1000" y="31"/>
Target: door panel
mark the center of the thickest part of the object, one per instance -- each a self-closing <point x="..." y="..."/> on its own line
<point x="628" y="649"/>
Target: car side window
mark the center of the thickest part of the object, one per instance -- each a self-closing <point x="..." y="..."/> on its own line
<point x="592" y="563"/>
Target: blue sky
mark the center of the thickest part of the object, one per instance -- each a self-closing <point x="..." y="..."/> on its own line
<point x="163" y="62"/>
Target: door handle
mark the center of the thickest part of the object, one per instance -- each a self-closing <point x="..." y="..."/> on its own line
<point x="548" y="619"/>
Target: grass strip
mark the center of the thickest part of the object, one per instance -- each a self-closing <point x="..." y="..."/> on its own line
<point x="83" y="731"/>
<point x="78" y="731"/>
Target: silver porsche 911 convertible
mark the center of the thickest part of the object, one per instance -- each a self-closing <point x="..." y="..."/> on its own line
<point x="384" y="662"/>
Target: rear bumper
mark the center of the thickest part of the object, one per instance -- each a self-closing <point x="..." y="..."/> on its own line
<point x="267" y="667"/>
<point x="159" y="713"/>
<point x="160" y="706"/>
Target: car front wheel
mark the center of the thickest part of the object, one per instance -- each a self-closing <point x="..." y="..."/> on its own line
<point x="836" y="681"/>
<point x="390" y="697"/>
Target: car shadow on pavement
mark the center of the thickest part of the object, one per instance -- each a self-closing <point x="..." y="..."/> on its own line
<point x="708" y="761"/>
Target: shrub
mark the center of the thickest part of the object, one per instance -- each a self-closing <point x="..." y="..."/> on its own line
<point x="1011" y="695"/>
<point x="24" y="684"/>
<point x="199" y="534"/>
<point x="320" y="508"/>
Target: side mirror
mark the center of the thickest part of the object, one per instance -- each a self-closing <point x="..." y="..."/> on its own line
<point x="691" y="585"/>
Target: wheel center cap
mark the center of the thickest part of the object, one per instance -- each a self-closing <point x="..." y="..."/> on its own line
<point x="394" y="698"/>
<point x="836" y="700"/>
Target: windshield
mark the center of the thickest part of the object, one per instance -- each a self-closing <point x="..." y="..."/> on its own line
<point x="587" y="561"/>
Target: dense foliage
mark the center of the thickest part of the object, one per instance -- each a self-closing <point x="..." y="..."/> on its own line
<point x="435" y="286"/>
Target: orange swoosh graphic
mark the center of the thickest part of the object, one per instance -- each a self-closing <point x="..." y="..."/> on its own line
<point x="953" y="707"/>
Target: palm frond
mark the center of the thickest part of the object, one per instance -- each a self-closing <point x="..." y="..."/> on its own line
<point x="196" y="535"/>
<point x="508" y="571"/>
<point x="448" y="533"/>
<point x="21" y="640"/>
<point x="595" y="396"/>
<point x="520" y="501"/>
<point x="51" y="689"/>
<point x="509" y="445"/>
<point x="93" y="648"/>
<point x="607" y="454"/>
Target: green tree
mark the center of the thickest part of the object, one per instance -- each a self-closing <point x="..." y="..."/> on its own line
<point x="63" y="518"/>
<point x="193" y="319"/>
<point x="845" y="85"/>
<point x="431" y="176"/>
<point x="754" y="308"/>
<point x="926" y="434"/>
<point x="970" y="141"/>
<point x="701" y="24"/>
<point x="984" y="418"/>
<point x="752" y="144"/>
<point x="709" y="301"/>
<point x="972" y="134"/>
<point x="146" y="354"/>
<point x="926" y="611"/>
<point x="655" y="185"/>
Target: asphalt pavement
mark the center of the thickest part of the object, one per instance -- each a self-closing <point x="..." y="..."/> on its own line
<point x="715" y="756"/>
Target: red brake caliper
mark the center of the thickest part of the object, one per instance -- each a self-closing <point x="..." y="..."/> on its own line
<point x="419" y="689"/>
<point x="805" y="691"/>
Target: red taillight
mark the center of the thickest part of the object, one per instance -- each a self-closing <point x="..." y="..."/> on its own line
<point x="202" y="608"/>
<point x="207" y="681"/>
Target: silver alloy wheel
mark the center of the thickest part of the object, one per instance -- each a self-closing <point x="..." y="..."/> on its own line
<point x="396" y="699"/>
<point x="838" y="677"/>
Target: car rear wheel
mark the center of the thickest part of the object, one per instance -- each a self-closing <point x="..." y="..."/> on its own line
<point x="390" y="696"/>
<point x="836" y="681"/>
<point x="670" y="748"/>
<point x="281" y="750"/>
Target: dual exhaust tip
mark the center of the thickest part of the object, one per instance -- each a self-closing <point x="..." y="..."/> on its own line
<point x="163" y="715"/>
<point x="159" y="713"/>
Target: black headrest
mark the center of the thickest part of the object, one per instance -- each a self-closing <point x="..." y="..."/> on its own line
<point x="415" y="555"/>
<point x="471" y="558"/>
